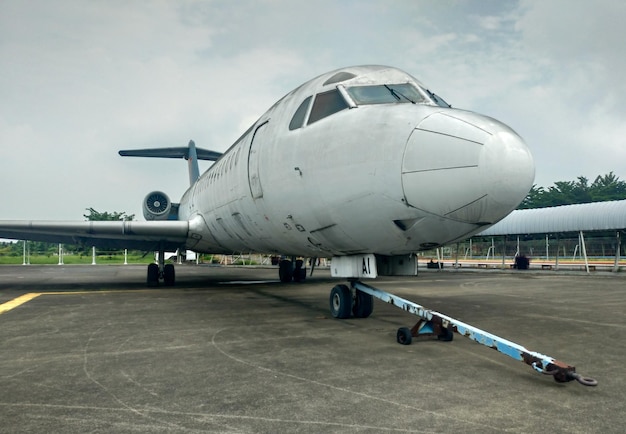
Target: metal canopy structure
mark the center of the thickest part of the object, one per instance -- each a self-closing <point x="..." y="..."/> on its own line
<point x="597" y="216"/>
<point x="580" y="218"/>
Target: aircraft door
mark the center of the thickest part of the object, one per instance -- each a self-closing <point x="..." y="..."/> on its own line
<point x="254" y="177"/>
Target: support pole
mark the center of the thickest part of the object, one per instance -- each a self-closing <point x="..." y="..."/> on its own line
<point x="491" y="250"/>
<point x="93" y="255"/>
<point x="60" y="254"/>
<point x="558" y="246"/>
<point x="618" y="248"/>
<point x="583" y="249"/>
<point x="125" y="256"/>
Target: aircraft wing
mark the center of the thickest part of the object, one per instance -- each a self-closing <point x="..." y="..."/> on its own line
<point x="140" y="235"/>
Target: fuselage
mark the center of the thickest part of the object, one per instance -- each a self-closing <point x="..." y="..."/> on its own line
<point x="358" y="160"/>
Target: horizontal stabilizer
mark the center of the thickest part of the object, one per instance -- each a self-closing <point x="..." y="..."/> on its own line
<point x="180" y="152"/>
<point x="190" y="153"/>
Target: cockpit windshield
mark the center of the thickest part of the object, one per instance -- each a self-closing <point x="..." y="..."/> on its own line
<point x="385" y="94"/>
<point x="342" y="98"/>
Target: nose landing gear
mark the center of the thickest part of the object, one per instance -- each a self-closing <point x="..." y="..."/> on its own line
<point x="345" y="301"/>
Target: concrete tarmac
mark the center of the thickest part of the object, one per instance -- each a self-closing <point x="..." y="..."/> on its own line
<point x="230" y="350"/>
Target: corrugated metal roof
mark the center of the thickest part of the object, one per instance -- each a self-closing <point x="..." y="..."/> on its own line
<point x="597" y="216"/>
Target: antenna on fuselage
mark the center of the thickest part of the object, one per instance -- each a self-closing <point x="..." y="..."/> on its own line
<point x="190" y="153"/>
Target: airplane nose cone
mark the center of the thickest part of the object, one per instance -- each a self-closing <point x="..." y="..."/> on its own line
<point x="466" y="167"/>
<point x="509" y="169"/>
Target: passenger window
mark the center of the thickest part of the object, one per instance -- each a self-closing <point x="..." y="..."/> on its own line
<point x="326" y="104"/>
<point x="298" y="117"/>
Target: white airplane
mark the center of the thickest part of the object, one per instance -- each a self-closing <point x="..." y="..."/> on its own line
<point x="362" y="164"/>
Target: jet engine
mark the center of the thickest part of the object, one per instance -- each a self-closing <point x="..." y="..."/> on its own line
<point x="157" y="206"/>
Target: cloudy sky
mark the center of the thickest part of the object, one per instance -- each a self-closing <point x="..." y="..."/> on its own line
<point x="80" y="80"/>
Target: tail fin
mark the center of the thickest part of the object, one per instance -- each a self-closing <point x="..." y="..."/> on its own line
<point x="190" y="153"/>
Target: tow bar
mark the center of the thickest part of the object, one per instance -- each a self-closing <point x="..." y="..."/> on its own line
<point x="435" y="324"/>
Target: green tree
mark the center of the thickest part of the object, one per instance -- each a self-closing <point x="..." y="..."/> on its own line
<point x="608" y="187"/>
<point x="534" y="199"/>
<point x="107" y="216"/>
<point x="603" y="188"/>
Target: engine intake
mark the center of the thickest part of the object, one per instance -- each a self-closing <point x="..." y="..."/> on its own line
<point x="157" y="206"/>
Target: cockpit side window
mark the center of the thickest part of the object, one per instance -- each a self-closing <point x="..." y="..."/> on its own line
<point x="326" y="104"/>
<point x="386" y="94"/>
<point x="298" y="117"/>
<point x="438" y="100"/>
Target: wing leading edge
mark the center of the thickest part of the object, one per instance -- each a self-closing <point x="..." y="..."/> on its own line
<point x="150" y="235"/>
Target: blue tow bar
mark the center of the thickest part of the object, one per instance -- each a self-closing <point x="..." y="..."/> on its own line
<point x="433" y="323"/>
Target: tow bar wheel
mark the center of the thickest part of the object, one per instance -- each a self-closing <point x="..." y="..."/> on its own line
<point x="404" y="336"/>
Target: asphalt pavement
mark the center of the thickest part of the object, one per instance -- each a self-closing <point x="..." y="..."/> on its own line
<point x="231" y="350"/>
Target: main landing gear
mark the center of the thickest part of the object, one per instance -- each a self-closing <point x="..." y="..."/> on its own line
<point x="161" y="271"/>
<point x="293" y="269"/>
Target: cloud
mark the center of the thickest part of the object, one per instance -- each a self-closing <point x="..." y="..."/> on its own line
<point x="84" y="79"/>
<point x="576" y="48"/>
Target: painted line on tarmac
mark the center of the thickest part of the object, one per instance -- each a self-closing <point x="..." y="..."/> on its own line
<point x="5" y="307"/>
<point x="18" y="301"/>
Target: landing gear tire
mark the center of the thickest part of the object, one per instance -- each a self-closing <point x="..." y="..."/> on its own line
<point x="299" y="274"/>
<point x="363" y="305"/>
<point x="404" y="336"/>
<point x="153" y="275"/>
<point x="169" y="275"/>
<point x="340" y="302"/>
<point x="285" y="271"/>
